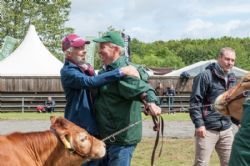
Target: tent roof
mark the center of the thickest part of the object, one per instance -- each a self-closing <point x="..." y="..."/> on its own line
<point x="198" y="67"/>
<point x="31" y="58"/>
<point x="160" y="70"/>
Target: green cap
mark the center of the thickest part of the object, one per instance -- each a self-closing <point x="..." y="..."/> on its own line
<point x="112" y="37"/>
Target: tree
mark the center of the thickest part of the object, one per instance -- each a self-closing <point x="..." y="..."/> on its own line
<point x="46" y="15"/>
<point x="154" y="54"/>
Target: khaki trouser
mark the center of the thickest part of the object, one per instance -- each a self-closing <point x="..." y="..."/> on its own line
<point x="220" y="140"/>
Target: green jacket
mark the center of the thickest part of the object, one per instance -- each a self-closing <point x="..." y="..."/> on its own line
<point x="118" y="105"/>
<point x="240" y="154"/>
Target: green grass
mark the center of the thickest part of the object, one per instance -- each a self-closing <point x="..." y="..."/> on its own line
<point x="27" y="115"/>
<point x="172" y="117"/>
<point x="176" y="152"/>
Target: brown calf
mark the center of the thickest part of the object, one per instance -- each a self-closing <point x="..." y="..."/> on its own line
<point x="231" y="101"/>
<point x="65" y="144"/>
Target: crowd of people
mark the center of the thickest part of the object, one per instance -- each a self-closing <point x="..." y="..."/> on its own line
<point x="166" y="96"/>
<point x="110" y="101"/>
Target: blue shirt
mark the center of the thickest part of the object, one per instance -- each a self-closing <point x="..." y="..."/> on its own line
<point x="76" y="85"/>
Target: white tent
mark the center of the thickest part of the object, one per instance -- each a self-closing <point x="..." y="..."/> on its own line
<point x="31" y="58"/>
<point x="198" y="67"/>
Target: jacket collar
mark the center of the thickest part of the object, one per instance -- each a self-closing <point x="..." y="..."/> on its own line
<point x="116" y="64"/>
<point x="215" y="67"/>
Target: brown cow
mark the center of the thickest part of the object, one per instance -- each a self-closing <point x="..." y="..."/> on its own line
<point x="64" y="144"/>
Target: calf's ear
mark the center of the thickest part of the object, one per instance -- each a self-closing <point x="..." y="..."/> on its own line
<point x="246" y="78"/>
<point x="60" y="127"/>
<point x="52" y="119"/>
<point x="66" y="140"/>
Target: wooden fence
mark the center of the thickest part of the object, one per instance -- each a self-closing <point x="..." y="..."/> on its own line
<point x="30" y="102"/>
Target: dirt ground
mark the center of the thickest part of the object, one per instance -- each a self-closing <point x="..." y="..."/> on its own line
<point x="173" y="129"/>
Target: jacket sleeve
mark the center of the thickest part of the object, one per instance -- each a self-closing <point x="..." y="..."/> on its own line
<point x="74" y="78"/>
<point x="132" y="88"/>
<point x="235" y="121"/>
<point x="197" y="99"/>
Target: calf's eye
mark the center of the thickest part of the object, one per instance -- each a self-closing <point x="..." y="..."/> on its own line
<point x="83" y="138"/>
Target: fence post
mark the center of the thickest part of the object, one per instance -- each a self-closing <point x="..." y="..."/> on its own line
<point x="169" y="104"/>
<point x="22" y="104"/>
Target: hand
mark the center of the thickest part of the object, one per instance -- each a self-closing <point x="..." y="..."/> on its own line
<point x="200" y="132"/>
<point x="154" y="109"/>
<point x="130" y="71"/>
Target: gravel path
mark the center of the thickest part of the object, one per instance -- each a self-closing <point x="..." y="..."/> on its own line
<point x="173" y="129"/>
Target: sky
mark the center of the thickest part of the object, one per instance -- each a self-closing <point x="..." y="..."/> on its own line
<point x="153" y="20"/>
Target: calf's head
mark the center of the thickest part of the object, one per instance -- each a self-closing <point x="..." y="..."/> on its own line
<point x="77" y="139"/>
<point x="231" y="101"/>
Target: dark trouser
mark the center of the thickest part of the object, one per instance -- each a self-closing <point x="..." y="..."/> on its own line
<point x="170" y="104"/>
<point x="92" y="163"/>
<point x="49" y="109"/>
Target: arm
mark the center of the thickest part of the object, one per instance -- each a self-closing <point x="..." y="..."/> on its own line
<point x="132" y="88"/>
<point x="235" y="121"/>
<point x="74" y="78"/>
<point x="198" y="95"/>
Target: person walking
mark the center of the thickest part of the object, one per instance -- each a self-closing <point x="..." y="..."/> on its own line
<point x="212" y="130"/>
<point x="118" y="105"/>
<point x="170" y="93"/>
<point x="159" y="90"/>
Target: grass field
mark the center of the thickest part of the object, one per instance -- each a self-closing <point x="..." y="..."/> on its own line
<point x="176" y="152"/>
<point x="27" y="115"/>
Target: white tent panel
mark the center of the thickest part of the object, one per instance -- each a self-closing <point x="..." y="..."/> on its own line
<point x="198" y="67"/>
<point x="31" y="58"/>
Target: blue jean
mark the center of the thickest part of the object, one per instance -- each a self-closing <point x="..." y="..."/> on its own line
<point x="118" y="155"/>
<point x="170" y="103"/>
<point x="91" y="163"/>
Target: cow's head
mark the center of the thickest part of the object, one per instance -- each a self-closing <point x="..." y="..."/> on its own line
<point x="77" y="139"/>
<point x="231" y="101"/>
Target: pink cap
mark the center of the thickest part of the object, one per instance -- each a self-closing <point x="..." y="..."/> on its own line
<point x="73" y="40"/>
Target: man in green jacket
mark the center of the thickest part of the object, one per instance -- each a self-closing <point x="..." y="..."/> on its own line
<point x="119" y="104"/>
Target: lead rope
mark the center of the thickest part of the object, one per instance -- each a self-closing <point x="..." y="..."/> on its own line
<point x="158" y="127"/>
<point x="133" y="124"/>
<point x="112" y="136"/>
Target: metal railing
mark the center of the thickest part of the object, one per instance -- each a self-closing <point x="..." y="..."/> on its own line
<point x="174" y="102"/>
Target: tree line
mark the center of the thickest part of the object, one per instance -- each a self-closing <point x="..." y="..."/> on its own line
<point x="179" y="53"/>
<point x="47" y="16"/>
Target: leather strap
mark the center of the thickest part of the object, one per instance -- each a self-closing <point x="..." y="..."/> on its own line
<point x="239" y="96"/>
<point x="158" y="127"/>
